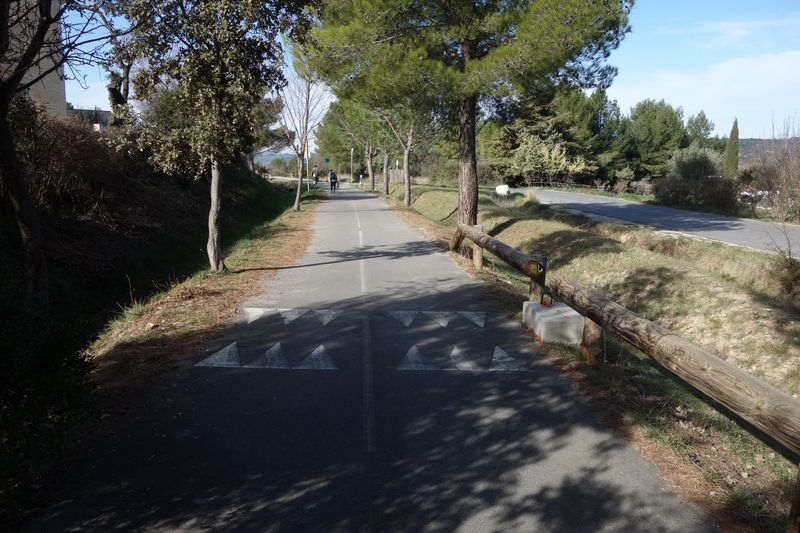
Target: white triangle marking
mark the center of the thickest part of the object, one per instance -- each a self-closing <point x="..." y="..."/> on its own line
<point x="442" y="317"/>
<point x="502" y="362"/>
<point x="226" y="357"/>
<point x="290" y="315"/>
<point x="404" y="317"/>
<point x="272" y="358"/>
<point x="254" y="313"/>
<point x="460" y="361"/>
<point x="414" y="360"/>
<point x="326" y="315"/>
<point x="476" y="317"/>
<point x="318" y="360"/>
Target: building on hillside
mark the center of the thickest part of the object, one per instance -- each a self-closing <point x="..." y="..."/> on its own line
<point x="50" y="90"/>
<point x="99" y="118"/>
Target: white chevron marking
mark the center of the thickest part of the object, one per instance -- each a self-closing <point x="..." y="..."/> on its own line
<point x="226" y="357"/>
<point x="318" y="360"/>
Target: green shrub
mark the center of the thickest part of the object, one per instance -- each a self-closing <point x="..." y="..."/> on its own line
<point x="694" y="163"/>
<point x="445" y="172"/>
<point x="442" y="171"/>
<point x="715" y="192"/>
<point x="719" y="193"/>
<point x="68" y="166"/>
<point x="693" y="181"/>
<point x="673" y="190"/>
<point x="786" y="270"/>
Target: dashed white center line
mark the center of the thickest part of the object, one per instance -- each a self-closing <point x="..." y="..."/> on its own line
<point x="369" y="391"/>
<point x="361" y="262"/>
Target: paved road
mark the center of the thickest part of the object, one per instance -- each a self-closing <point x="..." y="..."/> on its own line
<point x="744" y="232"/>
<point x="370" y="388"/>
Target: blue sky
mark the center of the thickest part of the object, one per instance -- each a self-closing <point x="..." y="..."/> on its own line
<point x="731" y="58"/>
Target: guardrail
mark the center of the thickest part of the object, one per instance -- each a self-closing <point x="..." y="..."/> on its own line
<point x="760" y="404"/>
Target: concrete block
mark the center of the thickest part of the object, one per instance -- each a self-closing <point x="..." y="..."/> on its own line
<point x="557" y="323"/>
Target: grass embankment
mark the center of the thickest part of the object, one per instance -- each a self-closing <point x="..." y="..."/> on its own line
<point x="720" y="297"/>
<point x="142" y="243"/>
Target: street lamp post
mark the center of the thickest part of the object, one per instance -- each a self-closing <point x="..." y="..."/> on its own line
<point x="351" y="165"/>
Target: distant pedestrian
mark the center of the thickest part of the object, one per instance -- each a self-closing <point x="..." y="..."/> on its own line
<point x="315" y="174"/>
<point x="334" y="181"/>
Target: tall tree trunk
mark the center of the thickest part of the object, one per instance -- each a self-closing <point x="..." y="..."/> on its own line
<point x="406" y="170"/>
<point x="386" y="172"/>
<point x="298" y="194"/>
<point x="406" y="178"/>
<point x="28" y="224"/>
<point x="369" y="155"/>
<point x="468" y="169"/>
<point x="213" y="247"/>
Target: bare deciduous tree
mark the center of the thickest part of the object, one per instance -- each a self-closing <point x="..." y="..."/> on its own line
<point x="304" y="102"/>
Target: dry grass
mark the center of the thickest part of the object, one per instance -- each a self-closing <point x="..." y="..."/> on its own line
<point x="149" y="339"/>
<point x="718" y="296"/>
<point x="715" y="295"/>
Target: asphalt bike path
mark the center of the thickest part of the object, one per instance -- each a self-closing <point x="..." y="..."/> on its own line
<point x="767" y="236"/>
<point x="371" y="387"/>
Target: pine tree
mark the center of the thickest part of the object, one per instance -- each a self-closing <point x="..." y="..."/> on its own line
<point x="475" y="50"/>
<point x="730" y="164"/>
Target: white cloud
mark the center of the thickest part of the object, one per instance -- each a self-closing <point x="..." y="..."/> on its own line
<point x="728" y="33"/>
<point x="756" y="89"/>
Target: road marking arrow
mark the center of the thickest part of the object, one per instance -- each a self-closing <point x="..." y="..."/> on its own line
<point x="318" y="360"/>
<point x="442" y="317"/>
<point x="327" y="315"/>
<point x="476" y="317"/>
<point x="414" y="360"/>
<point x="502" y="362"/>
<point x="459" y="360"/>
<point x="272" y="358"/>
<point x="290" y="315"/>
<point x="226" y="357"/>
<point x="404" y="317"/>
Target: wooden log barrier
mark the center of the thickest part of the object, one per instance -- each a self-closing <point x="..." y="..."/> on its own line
<point x="765" y="407"/>
<point x="528" y="265"/>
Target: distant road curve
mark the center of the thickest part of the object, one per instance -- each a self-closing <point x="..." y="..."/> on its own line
<point x="743" y="232"/>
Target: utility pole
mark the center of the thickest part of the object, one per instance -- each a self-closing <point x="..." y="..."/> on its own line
<point x="351" y="165"/>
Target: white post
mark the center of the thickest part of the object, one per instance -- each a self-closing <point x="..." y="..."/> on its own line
<point x="351" y="164"/>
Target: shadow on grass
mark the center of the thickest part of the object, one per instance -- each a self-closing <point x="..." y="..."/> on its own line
<point x="96" y="269"/>
<point x="645" y="285"/>
<point x="563" y="247"/>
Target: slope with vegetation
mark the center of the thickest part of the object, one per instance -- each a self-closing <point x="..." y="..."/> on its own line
<point x="116" y="231"/>
<point x="731" y="300"/>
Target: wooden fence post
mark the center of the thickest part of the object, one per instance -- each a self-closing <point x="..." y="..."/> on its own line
<point x="592" y="342"/>
<point x="793" y="525"/>
<point x="477" y="253"/>
<point x="455" y="241"/>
